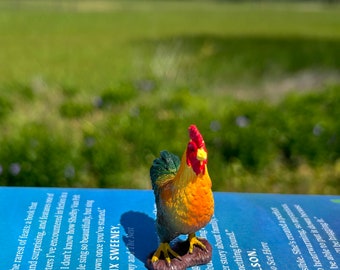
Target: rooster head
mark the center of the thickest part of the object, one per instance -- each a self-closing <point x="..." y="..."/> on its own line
<point x="196" y="153"/>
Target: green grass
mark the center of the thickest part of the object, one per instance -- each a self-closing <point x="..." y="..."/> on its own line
<point x="91" y="91"/>
<point x="93" y="49"/>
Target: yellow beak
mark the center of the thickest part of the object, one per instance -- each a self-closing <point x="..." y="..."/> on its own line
<point x="201" y="154"/>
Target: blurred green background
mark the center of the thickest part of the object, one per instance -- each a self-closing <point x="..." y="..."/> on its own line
<point x="92" y="91"/>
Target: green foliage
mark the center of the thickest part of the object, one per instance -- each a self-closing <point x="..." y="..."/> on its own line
<point x="37" y="156"/>
<point x="69" y="91"/>
<point x="248" y="134"/>
<point x="24" y="91"/>
<point x="247" y="142"/>
<point x="93" y="104"/>
<point x="116" y="95"/>
<point x="5" y="106"/>
<point x="245" y="57"/>
<point x="299" y="129"/>
<point x="73" y="109"/>
<point x="311" y="128"/>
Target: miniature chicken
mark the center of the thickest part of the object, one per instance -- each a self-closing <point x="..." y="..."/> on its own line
<point x="183" y="195"/>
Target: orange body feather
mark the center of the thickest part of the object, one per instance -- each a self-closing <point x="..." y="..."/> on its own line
<point x="187" y="200"/>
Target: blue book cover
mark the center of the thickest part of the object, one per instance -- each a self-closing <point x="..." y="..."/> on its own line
<point x="78" y="229"/>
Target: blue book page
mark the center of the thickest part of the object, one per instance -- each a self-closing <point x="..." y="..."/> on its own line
<point x="57" y="228"/>
<point x="264" y="231"/>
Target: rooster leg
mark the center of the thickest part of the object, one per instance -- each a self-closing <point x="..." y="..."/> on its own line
<point x="193" y="240"/>
<point x="165" y="249"/>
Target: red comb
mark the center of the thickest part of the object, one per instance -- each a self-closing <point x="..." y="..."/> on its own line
<point x="196" y="136"/>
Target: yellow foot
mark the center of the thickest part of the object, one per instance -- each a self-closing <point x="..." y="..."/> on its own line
<point x="193" y="240"/>
<point x="165" y="249"/>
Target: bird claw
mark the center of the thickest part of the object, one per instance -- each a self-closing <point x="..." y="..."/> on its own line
<point x="194" y="241"/>
<point x="166" y="250"/>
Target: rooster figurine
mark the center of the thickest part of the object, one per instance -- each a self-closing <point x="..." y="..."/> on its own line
<point x="183" y="196"/>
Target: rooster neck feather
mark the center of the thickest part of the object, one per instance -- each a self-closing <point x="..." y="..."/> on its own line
<point x="185" y="174"/>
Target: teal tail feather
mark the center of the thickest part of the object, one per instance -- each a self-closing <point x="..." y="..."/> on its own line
<point x="163" y="168"/>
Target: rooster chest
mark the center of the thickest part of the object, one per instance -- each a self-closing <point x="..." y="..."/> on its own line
<point x="189" y="208"/>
